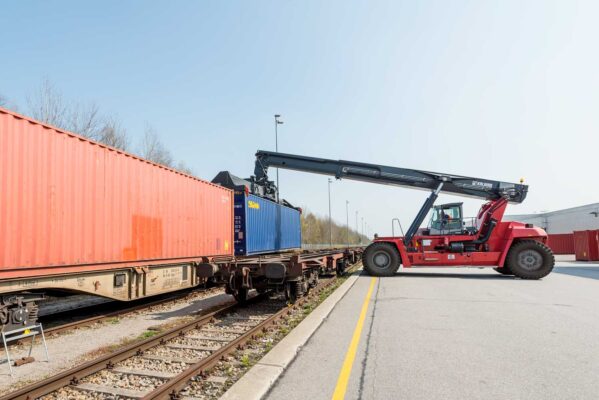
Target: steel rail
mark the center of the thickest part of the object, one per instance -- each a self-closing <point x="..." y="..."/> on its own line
<point x="73" y="375"/>
<point x="170" y="389"/>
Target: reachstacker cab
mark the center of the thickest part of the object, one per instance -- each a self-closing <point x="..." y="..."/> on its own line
<point x="512" y="248"/>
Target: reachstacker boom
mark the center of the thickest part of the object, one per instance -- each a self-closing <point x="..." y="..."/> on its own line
<point x="512" y="248"/>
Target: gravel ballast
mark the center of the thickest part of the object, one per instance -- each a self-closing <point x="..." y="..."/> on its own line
<point x="72" y="348"/>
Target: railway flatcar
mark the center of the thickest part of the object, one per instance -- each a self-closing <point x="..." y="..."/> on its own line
<point x="80" y="217"/>
<point x="268" y="246"/>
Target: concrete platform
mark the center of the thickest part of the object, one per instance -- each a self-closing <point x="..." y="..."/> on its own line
<point x="458" y="334"/>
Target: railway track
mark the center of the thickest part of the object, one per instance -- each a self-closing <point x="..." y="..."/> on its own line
<point x="52" y="327"/>
<point x="162" y="366"/>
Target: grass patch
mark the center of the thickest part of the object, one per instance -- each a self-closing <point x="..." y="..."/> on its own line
<point x="245" y="361"/>
<point x="268" y="346"/>
<point x="147" y="335"/>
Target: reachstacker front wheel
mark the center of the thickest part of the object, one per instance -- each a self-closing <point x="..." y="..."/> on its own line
<point x="381" y="259"/>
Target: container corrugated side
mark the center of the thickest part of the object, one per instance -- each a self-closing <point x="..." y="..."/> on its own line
<point x="561" y="243"/>
<point x="68" y="201"/>
<point x="263" y="226"/>
<point x="586" y="245"/>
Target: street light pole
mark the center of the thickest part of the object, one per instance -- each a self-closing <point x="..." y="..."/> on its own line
<point x="361" y="236"/>
<point x="330" y="220"/>
<point x="347" y="220"/>
<point x="277" y="123"/>
<point x="357" y="231"/>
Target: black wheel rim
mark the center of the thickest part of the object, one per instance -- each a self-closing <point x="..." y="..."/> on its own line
<point x="381" y="260"/>
<point x="530" y="260"/>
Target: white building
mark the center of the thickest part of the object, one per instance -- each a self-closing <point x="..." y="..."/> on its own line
<point x="563" y="221"/>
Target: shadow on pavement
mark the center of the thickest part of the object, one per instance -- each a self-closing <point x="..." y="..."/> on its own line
<point x="448" y="275"/>
<point x="582" y="272"/>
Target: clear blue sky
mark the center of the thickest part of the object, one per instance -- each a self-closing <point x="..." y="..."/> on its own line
<point x="502" y="89"/>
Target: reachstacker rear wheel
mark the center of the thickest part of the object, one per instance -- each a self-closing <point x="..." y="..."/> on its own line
<point x="530" y="259"/>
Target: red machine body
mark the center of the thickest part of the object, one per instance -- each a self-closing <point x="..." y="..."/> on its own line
<point x="511" y="248"/>
<point x="435" y="251"/>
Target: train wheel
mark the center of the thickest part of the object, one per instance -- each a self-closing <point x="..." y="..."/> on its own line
<point x="340" y="267"/>
<point x="241" y="295"/>
<point x="381" y="259"/>
<point x="529" y="259"/>
<point x="293" y="291"/>
<point x="314" y="281"/>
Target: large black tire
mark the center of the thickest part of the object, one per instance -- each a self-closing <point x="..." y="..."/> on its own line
<point x="381" y="259"/>
<point x="529" y="259"/>
<point x="505" y="270"/>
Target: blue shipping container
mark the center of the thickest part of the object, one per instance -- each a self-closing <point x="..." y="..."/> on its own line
<point x="263" y="226"/>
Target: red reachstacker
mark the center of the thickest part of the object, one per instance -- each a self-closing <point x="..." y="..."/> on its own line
<point x="512" y="248"/>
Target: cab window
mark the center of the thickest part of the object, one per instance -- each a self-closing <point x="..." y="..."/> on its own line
<point x="446" y="219"/>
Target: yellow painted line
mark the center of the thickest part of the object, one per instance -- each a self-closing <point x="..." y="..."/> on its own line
<point x="350" y="356"/>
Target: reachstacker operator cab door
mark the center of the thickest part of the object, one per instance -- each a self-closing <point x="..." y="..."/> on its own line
<point x="446" y="220"/>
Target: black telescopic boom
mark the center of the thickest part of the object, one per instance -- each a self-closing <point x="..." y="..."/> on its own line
<point x="417" y="179"/>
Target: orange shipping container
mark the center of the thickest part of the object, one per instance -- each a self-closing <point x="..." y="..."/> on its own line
<point x="68" y="204"/>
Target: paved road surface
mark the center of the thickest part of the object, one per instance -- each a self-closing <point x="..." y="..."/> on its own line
<point x="459" y="334"/>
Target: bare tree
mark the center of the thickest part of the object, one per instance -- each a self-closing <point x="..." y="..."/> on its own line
<point x="315" y="230"/>
<point x="181" y="166"/>
<point x="47" y="105"/>
<point x="85" y="120"/>
<point x="113" y="134"/>
<point x="7" y="103"/>
<point x="154" y="150"/>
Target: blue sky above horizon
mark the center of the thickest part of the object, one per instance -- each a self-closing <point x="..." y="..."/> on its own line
<point x="500" y="90"/>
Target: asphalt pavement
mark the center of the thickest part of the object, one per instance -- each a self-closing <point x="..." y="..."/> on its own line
<point x="458" y="334"/>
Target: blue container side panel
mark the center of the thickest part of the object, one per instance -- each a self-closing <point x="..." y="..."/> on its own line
<point x="291" y="230"/>
<point x="265" y="226"/>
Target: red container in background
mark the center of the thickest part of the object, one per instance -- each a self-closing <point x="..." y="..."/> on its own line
<point x="561" y="243"/>
<point x="586" y="245"/>
<point x="68" y="204"/>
